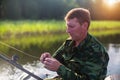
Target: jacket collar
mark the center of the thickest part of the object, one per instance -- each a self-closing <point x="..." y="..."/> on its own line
<point x="70" y="42"/>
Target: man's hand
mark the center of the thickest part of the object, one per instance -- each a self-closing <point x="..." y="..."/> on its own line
<point x="45" y="55"/>
<point x="51" y="64"/>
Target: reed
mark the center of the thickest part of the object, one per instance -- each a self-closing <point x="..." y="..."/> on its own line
<point x="27" y="27"/>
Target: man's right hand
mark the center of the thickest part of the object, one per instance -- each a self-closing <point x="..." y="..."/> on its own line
<point x="44" y="56"/>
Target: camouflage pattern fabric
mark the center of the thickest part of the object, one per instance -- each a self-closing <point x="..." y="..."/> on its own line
<point x="88" y="61"/>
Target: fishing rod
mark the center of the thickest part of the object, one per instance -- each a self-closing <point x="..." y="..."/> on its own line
<point x="13" y="61"/>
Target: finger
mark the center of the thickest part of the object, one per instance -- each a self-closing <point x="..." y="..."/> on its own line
<point x="47" y="54"/>
<point x="48" y="60"/>
<point x="47" y="66"/>
<point x="44" y="55"/>
<point x="42" y="58"/>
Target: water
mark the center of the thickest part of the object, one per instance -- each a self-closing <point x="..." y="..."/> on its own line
<point x="8" y="72"/>
<point x="114" y="62"/>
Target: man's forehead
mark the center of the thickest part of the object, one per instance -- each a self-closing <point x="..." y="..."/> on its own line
<point x="73" y="21"/>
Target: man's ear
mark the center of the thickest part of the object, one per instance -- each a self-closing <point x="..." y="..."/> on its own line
<point x="85" y="25"/>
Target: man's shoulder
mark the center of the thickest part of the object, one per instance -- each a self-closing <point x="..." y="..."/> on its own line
<point x="95" y="44"/>
<point x="94" y="41"/>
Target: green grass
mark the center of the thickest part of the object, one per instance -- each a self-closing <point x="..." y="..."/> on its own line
<point x="104" y="28"/>
<point x="33" y="26"/>
<point x="104" y="24"/>
<point x="27" y="27"/>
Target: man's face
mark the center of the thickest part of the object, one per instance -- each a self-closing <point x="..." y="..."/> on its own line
<point x="75" y="29"/>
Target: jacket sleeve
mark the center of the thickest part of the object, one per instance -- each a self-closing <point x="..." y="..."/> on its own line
<point x="58" y="54"/>
<point x="93" y="69"/>
<point x="68" y="74"/>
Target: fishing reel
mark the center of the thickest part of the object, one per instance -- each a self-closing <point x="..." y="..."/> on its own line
<point x="15" y="57"/>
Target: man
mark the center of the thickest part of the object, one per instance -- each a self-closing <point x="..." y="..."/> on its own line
<point x="81" y="57"/>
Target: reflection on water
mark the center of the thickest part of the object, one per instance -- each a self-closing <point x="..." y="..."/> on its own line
<point x="11" y="73"/>
<point x="8" y="72"/>
<point x="114" y="62"/>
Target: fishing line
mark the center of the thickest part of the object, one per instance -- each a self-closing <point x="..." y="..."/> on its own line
<point x="4" y="54"/>
<point x="18" y="50"/>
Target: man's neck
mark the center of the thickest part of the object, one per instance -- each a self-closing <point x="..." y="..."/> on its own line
<point x="80" y="40"/>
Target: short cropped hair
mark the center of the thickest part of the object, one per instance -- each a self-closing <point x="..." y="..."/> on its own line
<point x="83" y="15"/>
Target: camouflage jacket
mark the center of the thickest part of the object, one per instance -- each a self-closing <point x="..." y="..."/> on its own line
<point x="88" y="61"/>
